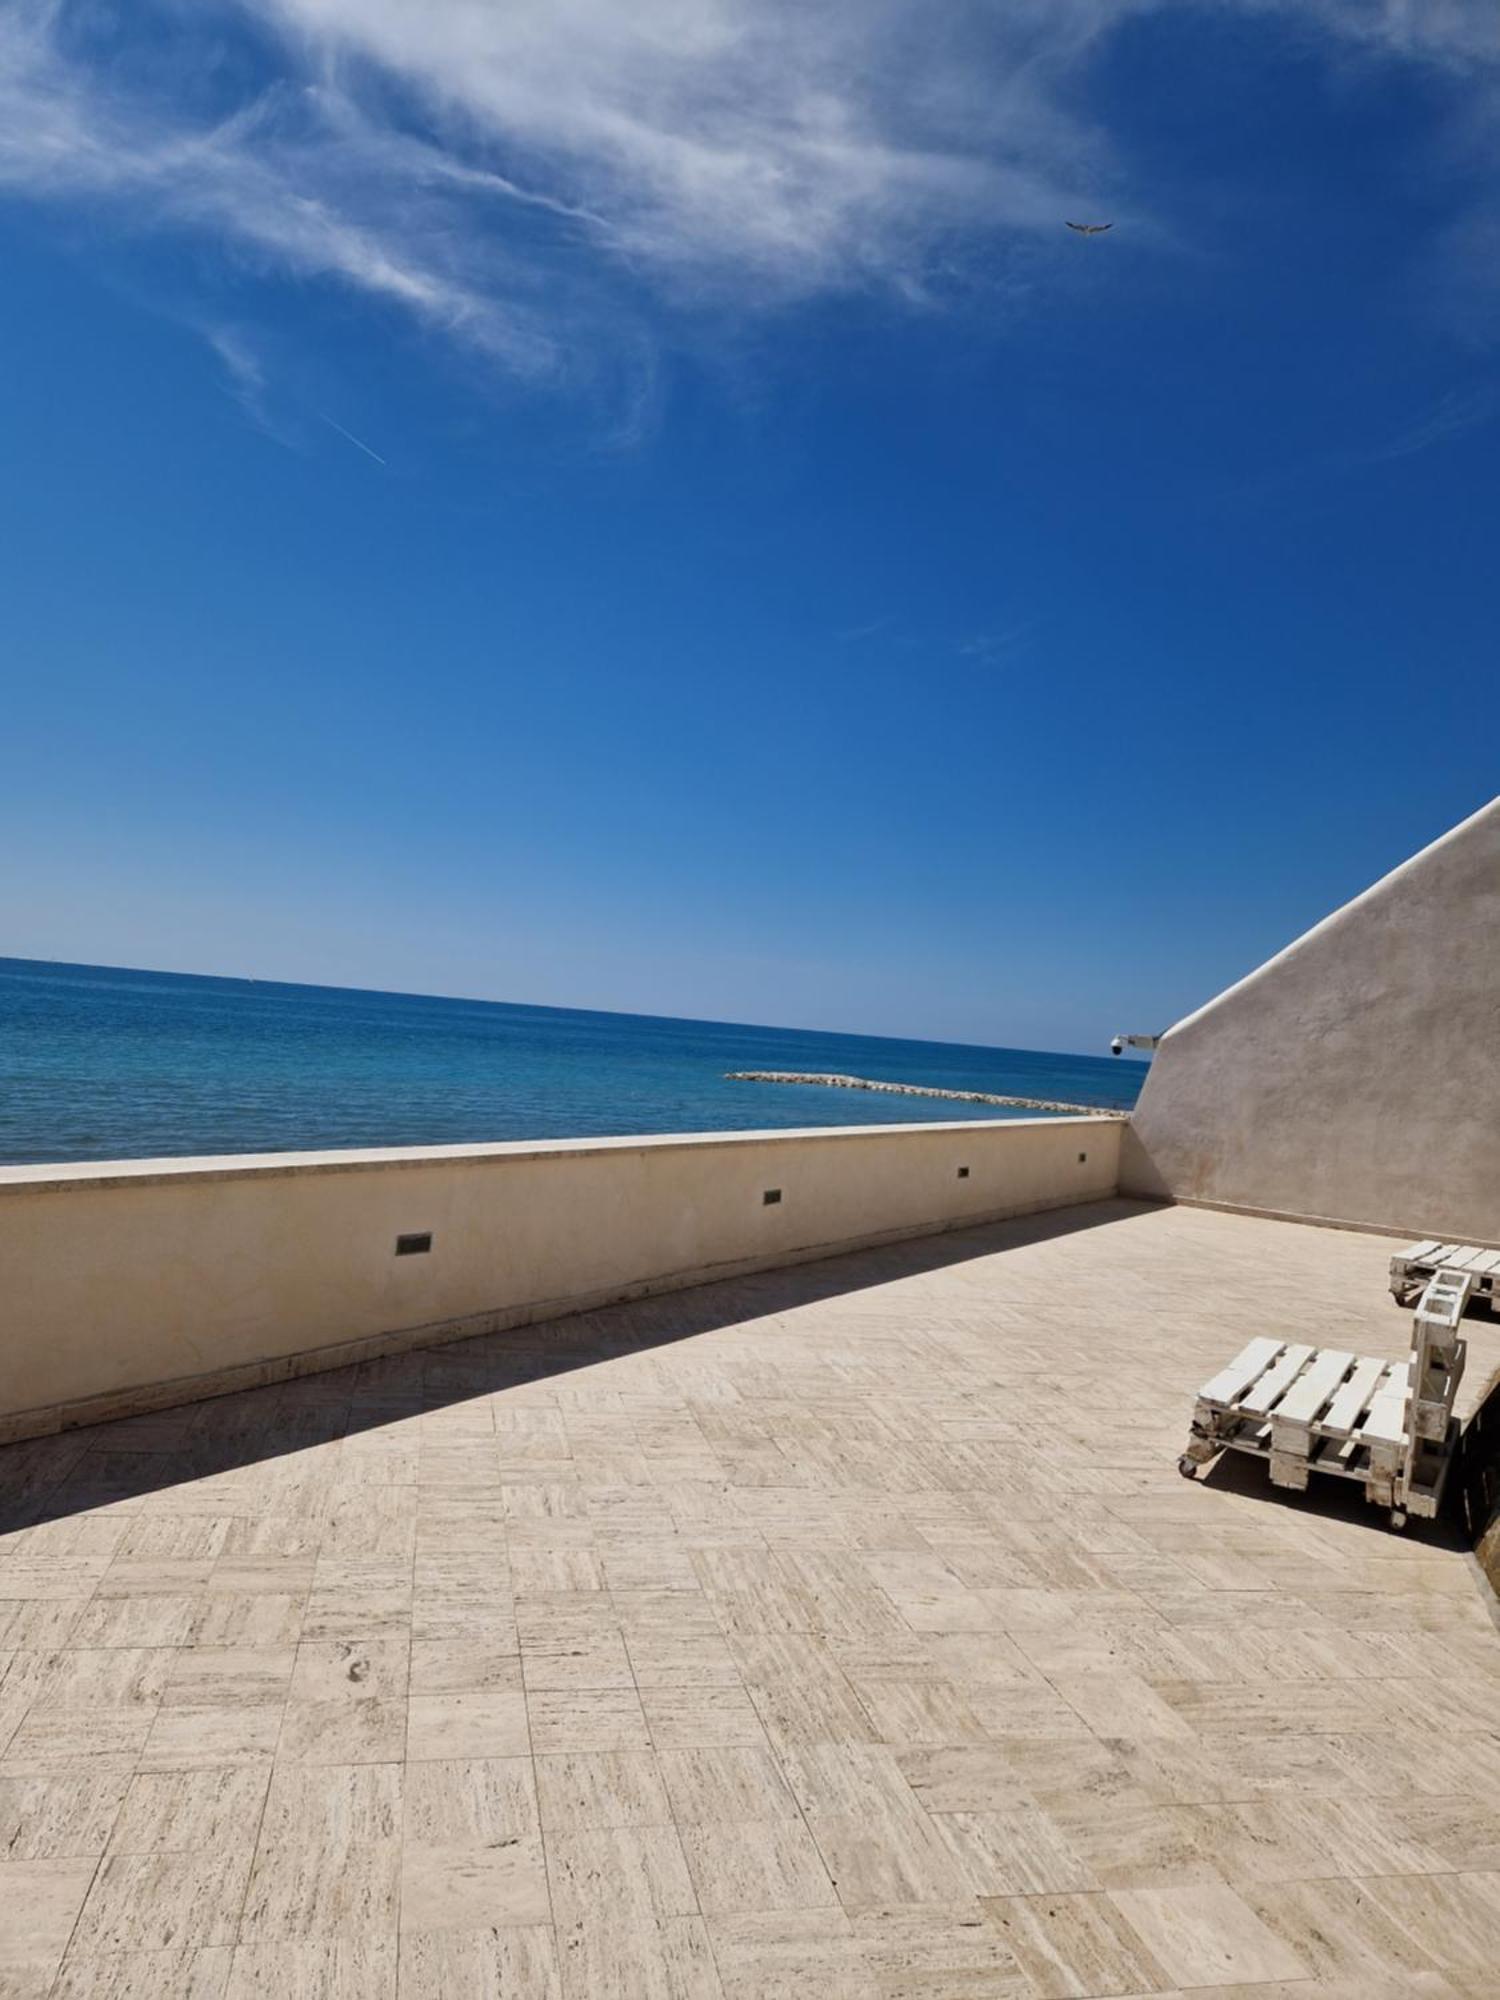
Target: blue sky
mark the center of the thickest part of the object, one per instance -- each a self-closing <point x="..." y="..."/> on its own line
<point x="651" y="507"/>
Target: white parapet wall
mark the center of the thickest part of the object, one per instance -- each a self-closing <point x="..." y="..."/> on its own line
<point x="1355" y="1077"/>
<point x="135" y="1284"/>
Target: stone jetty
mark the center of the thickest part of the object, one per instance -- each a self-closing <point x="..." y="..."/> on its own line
<point x="917" y="1090"/>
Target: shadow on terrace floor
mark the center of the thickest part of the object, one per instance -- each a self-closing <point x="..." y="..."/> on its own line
<point x="73" y="1472"/>
<point x="1333" y="1500"/>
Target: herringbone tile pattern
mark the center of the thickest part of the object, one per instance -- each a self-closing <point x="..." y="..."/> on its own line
<point x="842" y="1632"/>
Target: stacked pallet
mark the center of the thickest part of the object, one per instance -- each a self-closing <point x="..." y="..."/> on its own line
<point x="1386" y="1424"/>
<point x="1412" y="1268"/>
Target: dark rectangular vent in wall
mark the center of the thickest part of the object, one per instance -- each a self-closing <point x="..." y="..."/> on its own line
<point x="771" y="1197"/>
<point x="963" y="1173"/>
<point x="416" y="1245"/>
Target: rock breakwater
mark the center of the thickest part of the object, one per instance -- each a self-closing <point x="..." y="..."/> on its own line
<point x="916" y="1090"/>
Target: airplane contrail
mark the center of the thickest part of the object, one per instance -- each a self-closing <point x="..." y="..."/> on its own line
<point x="358" y="443"/>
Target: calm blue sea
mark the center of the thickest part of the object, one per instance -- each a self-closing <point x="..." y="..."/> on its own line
<point x="98" y="1063"/>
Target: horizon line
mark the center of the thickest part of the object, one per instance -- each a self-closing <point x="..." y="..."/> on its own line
<point x="551" y="1007"/>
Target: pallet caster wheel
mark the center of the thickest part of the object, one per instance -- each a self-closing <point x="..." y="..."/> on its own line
<point x="1398" y="1520"/>
<point x="1188" y="1467"/>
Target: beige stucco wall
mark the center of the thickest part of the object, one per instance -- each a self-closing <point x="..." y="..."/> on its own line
<point x="1355" y="1077"/>
<point x="158" y="1280"/>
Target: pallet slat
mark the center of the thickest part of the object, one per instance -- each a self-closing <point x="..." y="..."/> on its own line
<point x="1246" y="1368"/>
<point x="1276" y="1381"/>
<point x="1341" y="1418"/>
<point x="1386" y="1423"/>
<point x="1314" y="1386"/>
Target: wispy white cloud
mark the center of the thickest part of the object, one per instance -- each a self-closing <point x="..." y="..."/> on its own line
<point x="1457" y="32"/>
<point x="1454" y="414"/>
<point x="501" y="171"/>
<point x="1451" y="417"/>
<point x="245" y="378"/>
<point x="242" y="364"/>
<point x="856" y="635"/>
<point x="1006" y="641"/>
<point x="288" y="177"/>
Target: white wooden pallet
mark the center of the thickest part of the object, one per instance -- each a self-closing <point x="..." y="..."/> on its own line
<point x="1413" y="1267"/>
<point x="1311" y="1409"/>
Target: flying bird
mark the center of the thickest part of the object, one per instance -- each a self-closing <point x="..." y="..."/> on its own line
<point x="1091" y="228"/>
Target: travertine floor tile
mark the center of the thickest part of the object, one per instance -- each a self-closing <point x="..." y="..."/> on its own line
<point x="1122" y="1704"/>
<point x="667" y="1659"/>
<point x="227" y="1676"/>
<point x="453" y="1666"/>
<point x="472" y="1722"/>
<point x="341" y="1731"/>
<point x="472" y="1854"/>
<point x="726" y="1785"/>
<point x="629" y="1873"/>
<point x="667" y="1958"/>
<point x="592" y="1789"/>
<point x="1027" y="1709"/>
<point x="38" y="1624"/>
<point x="322" y="1889"/>
<point x="1204" y="1935"/>
<point x="577" y="1660"/>
<point x="1073" y="1947"/>
<point x="58" y="1818"/>
<point x="482" y="1964"/>
<point x="1017" y="1853"/>
<point x="159" y="1902"/>
<point x="753" y="1865"/>
<point x="147" y="1975"/>
<point x="346" y="1669"/>
<point x="490" y="1800"/>
<point x="536" y="1569"/>
<point x="82" y="1741"/>
<point x="848" y="1778"/>
<point x="465" y="1886"/>
<point x="187" y="1739"/>
<point x="939" y="1948"/>
<point x="255" y="1618"/>
<point x="333" y="1804"/>
<point x="108" y="1677"/>
<point x="1457" y="1917"/>
<point x="1458" y="1832"/>
<point x="1340" y="1929"/>
<point x="791" y="1955"/>
<point x="596" y="1719"/>
<point x="39" y="1906"/>
<point x="1021" y="1771"/>
<point x="54" y="1576"/>
<point x="800" y="1692"/>
<point x="316" y="1969"/>
<point x="1126" y="1844"/>
<point x="191" y="1812"/>
<point x="891" y="1853"/>
<point x="707" y="1717"/>
<point x="275" y="1575"/>
<point x="923" y="1712"/>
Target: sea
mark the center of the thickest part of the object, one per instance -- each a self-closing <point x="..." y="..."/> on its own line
<point x="101" y="1063"/>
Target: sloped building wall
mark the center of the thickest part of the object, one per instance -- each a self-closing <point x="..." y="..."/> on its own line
<point x="1355" y="1077"/>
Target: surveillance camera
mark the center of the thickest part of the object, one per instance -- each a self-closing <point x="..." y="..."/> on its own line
<point x="1117" y="1046"/>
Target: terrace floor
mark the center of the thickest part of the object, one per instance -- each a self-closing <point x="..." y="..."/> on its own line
<point x="844" y="1631"/>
